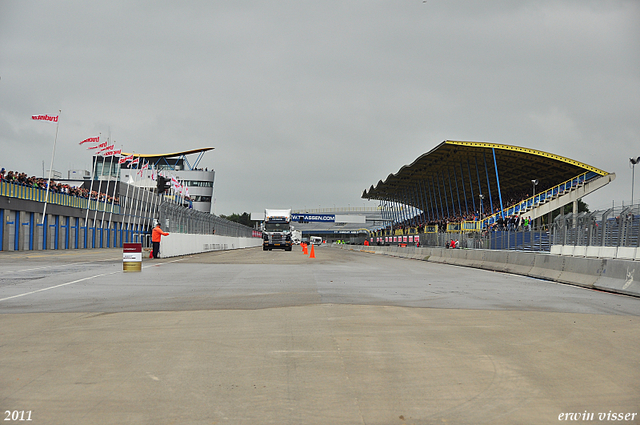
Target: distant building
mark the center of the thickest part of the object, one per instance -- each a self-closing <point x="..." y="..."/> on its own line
<point x="55" y="175"/>
<point x="78" y="174"/>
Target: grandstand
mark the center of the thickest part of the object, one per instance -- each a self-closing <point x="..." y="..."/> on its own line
<point x="468" y="186"/>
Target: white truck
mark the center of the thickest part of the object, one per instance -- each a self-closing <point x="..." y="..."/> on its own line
<point x="315" y="240"/>
<point x="296" y="236"/>
<point x="276" y="230"/>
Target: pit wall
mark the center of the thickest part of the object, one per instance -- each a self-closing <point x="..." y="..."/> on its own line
<point x="177" y="244"/>
<point x="606" y="274"/>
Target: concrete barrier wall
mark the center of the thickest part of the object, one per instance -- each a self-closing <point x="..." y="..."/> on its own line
<point x="607" y="274"/>
<point x="619" y="252"/>
<point x="183" y="244"/>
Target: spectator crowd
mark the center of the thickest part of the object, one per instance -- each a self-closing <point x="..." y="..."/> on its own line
<point x="41" y="183"/>
<point x="511" y="223"/>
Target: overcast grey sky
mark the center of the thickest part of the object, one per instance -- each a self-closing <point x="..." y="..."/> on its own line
<point x="309" y="103"/>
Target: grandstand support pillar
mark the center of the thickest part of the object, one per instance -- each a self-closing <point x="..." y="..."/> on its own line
<point x="479" y="187"/>
<point x="486" y="172"/>
<point x="495" y="165"/>
<point x="575" y="213"/>
<point x="453" y="203"/>
<point x="427" y="197"/>
<point x="473" y="197"/>
<point x="434" y="197"/>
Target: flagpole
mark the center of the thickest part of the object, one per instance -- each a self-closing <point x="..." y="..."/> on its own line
<point x="126" y="199"/>
<point x="86" y="218"/>
<point x="137" y="194"/>
<point x="95" y="214"/>
<point x="53" y="153"/>
<point x="113" y="197"/>
<point x="147" y="203"/>
<point x="133" y="195"/>
<point x="138" y="222"/>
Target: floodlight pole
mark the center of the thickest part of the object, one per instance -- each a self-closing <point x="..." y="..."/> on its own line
<point x="633" y="161"/>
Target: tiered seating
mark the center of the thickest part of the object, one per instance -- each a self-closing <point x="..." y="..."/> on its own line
<point x="543" y="197"/>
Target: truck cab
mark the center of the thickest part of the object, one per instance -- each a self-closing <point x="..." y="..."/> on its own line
<point x="276" y="230"/>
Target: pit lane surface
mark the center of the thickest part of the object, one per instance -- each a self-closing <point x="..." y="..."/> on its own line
<point x="276" y="337"/>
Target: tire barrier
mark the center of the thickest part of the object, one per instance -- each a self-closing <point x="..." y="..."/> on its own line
<point x="606" y="274"/>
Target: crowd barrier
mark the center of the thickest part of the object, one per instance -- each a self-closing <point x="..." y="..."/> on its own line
<point x="607" y="274"/>
<point x="177" y="244"/>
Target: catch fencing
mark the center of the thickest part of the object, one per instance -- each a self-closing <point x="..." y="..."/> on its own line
<point x="615" y="227"/>
<point x="521" y="239"/>
<point x="178" y="219"/>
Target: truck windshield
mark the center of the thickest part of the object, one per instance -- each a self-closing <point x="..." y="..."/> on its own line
<point x="276" y="227"/>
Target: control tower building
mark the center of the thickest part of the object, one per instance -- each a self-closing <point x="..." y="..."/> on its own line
<point x="199" y="181"/>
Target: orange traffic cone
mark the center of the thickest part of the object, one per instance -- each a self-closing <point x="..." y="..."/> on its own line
<point x="313" y="253"/>
<point x="304" y="249"/>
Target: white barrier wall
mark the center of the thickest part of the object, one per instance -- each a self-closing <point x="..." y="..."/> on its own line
<point x="183" y="244"/>
<point x="621" y="252"/>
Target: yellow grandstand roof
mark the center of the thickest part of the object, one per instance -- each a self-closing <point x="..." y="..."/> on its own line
<point x="466" y="169"/>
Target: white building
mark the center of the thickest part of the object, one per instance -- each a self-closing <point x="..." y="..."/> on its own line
<point x="198" y="181"/>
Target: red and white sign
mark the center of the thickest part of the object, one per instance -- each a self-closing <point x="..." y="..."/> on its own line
<point x="131" y="252"/>
<point x="44" y="118"/>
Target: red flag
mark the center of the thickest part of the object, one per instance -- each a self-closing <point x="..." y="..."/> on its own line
<point x="107" y="148"/>
<point x="44" y="118"/>
<point x="109" y="152"/>
<point x="90" y="140"/>
<point x="125" y="159"/>
<point x="100" y="146"/>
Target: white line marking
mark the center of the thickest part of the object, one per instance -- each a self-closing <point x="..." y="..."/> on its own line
<point x="62" y="265"/>
<point x="81" y="280"/>
<point x="58" y="286"/>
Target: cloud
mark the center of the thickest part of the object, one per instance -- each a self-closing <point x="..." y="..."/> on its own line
<point x="309" y="103"/>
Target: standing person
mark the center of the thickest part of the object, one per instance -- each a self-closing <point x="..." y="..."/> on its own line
<point x="157" y="234"/>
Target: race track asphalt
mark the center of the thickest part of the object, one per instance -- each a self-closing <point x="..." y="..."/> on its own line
<point x="253" y="337"/>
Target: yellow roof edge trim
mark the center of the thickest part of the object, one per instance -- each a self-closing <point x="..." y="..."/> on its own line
<point x="168" y="154"/>
<point x="528" y="151"/>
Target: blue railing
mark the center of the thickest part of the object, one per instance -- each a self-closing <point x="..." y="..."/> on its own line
<point x="542" y="197"/>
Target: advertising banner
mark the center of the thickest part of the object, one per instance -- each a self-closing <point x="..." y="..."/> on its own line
<point x="314" y="218"/>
